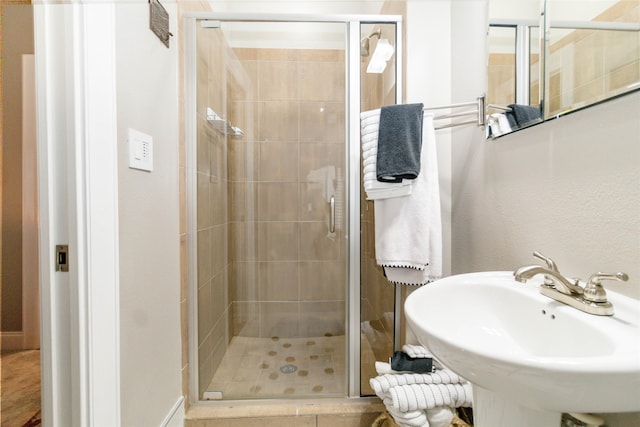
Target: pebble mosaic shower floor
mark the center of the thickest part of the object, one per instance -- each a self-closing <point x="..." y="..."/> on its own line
<point x="276" y="367"/>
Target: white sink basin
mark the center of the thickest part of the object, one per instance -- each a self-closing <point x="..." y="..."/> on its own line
<point x="505" y="337"/>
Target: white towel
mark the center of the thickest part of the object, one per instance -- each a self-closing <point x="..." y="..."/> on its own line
<point x="416" y="418"/>
<point x="384" y="383"/>
<point x="380" y="193"/>
<point x="416" y="351"/>
<point x="428" y="396"/>
<point x="369" y="127"/>
<point x="406" y="419"/>
<point x="440" y="417"/>
<point x="408" y="230"/>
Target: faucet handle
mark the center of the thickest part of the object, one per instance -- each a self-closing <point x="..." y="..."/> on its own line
<point x="594" y="291"/>
<point x="551" y="265"/>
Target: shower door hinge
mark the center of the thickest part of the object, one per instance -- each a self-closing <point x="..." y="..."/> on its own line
<point x="62" y="258"/>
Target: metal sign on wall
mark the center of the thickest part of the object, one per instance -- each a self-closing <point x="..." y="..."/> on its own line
<point x="159" y="21"/>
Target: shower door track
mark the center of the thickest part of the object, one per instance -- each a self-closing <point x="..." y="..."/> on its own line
<point x="353" y="162"/>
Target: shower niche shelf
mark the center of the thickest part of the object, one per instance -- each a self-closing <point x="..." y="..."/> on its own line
<point x="222" y="125"/>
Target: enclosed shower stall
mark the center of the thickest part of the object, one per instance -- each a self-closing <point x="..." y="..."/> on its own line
<point x="286" y="300"/>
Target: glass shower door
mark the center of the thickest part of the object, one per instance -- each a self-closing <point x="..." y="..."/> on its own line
<point x="271" y="246"/>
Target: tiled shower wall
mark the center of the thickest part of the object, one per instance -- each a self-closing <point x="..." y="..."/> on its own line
<point x="287" y="269"/>
<point x="212" y="215"/>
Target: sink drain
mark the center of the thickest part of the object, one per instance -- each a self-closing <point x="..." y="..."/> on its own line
<point x="288" y="369"/>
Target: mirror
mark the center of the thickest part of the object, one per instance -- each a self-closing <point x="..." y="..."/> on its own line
<point x="590" y="53"/>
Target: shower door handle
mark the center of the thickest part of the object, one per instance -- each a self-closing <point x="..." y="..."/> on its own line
<point x="332" y="214"/>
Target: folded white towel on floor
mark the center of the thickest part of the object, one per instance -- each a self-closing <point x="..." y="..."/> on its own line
<point x="412" y="397"/>
<point x="384" y="383"/>
<point x="369" y="127"/>
<point x="406" y="419"/>
<point x="408" y="230"/>
<point x="416" y="351"/>
<point x="440" y="417"/>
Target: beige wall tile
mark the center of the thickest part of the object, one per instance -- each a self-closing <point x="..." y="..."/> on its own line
<point x="203" y="164"/>
<point x="218" y="302"/>
<point x="623" y="76"/>
<point x="278" y="201"/>
<point x="218" y="196"/>
<point x="590" y="92"/>
<point x="218" y="249"/>
<point x="204" y="256"/>
<point x="278" y="55"/>
<point x="278" y="80"/>
<point x="314" y="205"/>
<point x="322" y="280"/>
<point x="279" y="319"/>
<point x="278" y="241"/>
<point x="243" y="203"/>
<point x="322" y="121"/>
<point x="278" y="161"/>
<point x="240" y="246"/>
<point x="315" y="156"/>
<point x="278" y="121"/>
<point x="322" y="81"/>
<point x="246" y="53"/>
<point x="242" y="160"/>
<point x="246" y="319"/>
<point x="244" y="279"/>
<point x="205" y="314"/>
<point x="588" y="59"/>
<point x="317" y="244"/>
<point x="203" y="202"/>
<point x="322" y="318"/>
<point x="279" y="281"/>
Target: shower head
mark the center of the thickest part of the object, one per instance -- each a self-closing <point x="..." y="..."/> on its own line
<point x="364" y="43"/>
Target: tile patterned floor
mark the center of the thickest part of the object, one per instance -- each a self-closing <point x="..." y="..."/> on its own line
<point x="260" y="368"/>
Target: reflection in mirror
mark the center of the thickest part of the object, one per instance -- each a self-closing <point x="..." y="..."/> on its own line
<point x="592" y="52"/>
<point x="513" y="89"/>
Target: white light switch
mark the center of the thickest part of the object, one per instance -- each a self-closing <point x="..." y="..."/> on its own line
<point x="140" y="150"/>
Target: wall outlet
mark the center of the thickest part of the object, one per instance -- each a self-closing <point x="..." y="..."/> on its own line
<point x="140" y="150"/>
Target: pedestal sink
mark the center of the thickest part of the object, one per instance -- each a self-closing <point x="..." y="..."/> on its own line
<point x="528" y="357"/>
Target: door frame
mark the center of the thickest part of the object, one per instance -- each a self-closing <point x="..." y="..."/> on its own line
<point x="78" y="206"/>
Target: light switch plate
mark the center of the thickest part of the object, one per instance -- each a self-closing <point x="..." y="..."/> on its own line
<point x="140" y="150"/>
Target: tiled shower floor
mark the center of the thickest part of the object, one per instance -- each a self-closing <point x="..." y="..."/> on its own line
<point x="280" y="367"/>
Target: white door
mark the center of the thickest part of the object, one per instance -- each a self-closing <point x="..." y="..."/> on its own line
<point x="77" y="180"/>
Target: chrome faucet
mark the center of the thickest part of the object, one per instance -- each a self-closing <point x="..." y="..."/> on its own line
<point x="590" y="298"/>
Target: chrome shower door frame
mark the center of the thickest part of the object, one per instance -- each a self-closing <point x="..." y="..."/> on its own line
<point x="352" y="162"/>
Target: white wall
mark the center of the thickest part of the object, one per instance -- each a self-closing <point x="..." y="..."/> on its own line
<point x="147" y="100"/>
<point x="569" y="188"/>
<point x="428" y="80"/>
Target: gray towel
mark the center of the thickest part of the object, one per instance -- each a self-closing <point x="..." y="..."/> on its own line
<point x="399" y="142"/>
<point x="524" y="115"/>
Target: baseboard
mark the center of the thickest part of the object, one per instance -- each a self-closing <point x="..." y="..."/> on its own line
<point x="175" y="417"/>
<point x="12" y="340"/>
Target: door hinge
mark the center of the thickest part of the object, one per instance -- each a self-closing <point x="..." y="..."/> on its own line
<point x="62" y="258"/>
